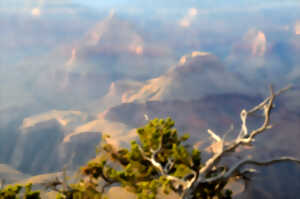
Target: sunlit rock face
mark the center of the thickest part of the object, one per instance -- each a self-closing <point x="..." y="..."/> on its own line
<point x="297" y="28"/>
<point x="260" y="59"/>
<point x="116" y="95"/>
<point x="116" y="47"/>
<point x="258" y="43"/>
<point x="254" y="43"/>
<point x="195" y="76"/>
<point x="120" y="133"/>
<point x="186" y="21"/>
<point x="248" y="54"/>
<point x="192" y="116"/>
<point x="67" y="119"/>
<point x="77" y="73"/>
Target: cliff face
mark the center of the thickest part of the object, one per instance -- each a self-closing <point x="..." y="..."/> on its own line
<point x="196" y="75"/>
<point x="40" y="148"/>
<point x="218" y="112"/>
<point x="47" y="146"/>
<point x="36" y="148"/>
<point x="78" y="150"/>
<point x="10" y="175"/>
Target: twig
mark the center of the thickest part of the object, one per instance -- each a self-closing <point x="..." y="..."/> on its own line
<point x="242" y="163"/>
<point x="244" y="138"/>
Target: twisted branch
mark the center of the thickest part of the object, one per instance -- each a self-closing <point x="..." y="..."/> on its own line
<point x="242" y="163"/>
<point x="244" y="138"/>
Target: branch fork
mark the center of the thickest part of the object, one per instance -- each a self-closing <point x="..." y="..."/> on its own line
<point x="244" y="138"/>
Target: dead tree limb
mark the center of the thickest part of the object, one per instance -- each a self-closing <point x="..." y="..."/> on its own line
<point x="244" y="138"/>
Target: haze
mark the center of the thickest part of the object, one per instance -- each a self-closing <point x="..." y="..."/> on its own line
<point x="72" y="70"/>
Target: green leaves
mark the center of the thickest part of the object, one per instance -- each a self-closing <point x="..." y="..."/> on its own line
<point x="10" y="192"/>
<point x="184" y="137"/>
<point x="181" y="171"/>
<point x="94" y="169"/>
<point x="156" y="133"/>
<point x="29" y="194"/>
<point x="196" y="158"/>
<point x="14" y="192"/>
<point x="156" y="163"/>
<point x="150" y="189"/>
<point x="132" y="168"/>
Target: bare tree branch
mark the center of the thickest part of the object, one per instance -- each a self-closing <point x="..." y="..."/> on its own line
<point x="244" y="138"/>
<point x="231" y="129"/>
<point x="259" y="106"/>
<point x="159" y="167"/>
<point x="242" y="163"/>
<point x="214" y="135"/>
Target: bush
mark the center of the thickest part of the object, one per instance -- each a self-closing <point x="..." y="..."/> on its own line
<point x="161" y="162"/>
